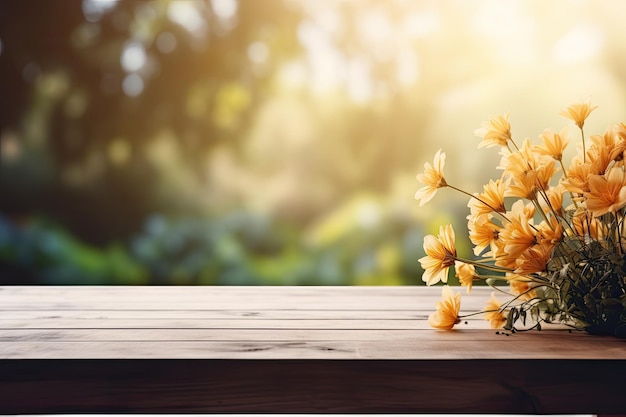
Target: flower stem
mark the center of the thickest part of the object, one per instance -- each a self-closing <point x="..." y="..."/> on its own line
<point x="582" y="134"/>
<point x="481" y="200"/>
<point x="488" y="267"/>
<point x="571" y="194"/>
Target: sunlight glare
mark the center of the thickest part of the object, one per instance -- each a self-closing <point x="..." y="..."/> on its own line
<point x="497" y="18"/>
<point x="419" y="25"/>
<point x="407" y="72"/>
<point x="359" y="80"/>
<point x="509" y="29"/>
<point x="385" y="35"/>
<point x="581" y="43"/>
<point x="375" y="29"/>
<point x="326" y="63"/>
<point x="293" y="74"/>
<point x="329" y="20"/>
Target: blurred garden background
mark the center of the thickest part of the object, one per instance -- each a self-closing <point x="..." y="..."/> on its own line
<point x="270" y="142"/>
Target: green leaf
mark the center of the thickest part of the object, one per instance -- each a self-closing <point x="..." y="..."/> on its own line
<point x="590" y="303"/>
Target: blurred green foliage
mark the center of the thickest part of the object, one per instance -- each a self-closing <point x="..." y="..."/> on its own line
<point x="42" y="253"/>
<point x="239" y="249"/>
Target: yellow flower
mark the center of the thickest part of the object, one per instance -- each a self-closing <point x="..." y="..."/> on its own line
<point x="493" y="313"/>
<point x="440" y="255"/>
<point x="496" y="131"/>
<point x="545" y="172"/>
<point x="620" y="130"/>
<point x="585" y="225"/>
<point x="521" y="286"/>
<point x="578" y="172"/>
<point x="555" y="200"/>
<point x="606" y="150"/>
<point x="607" y="193"/>
<point x="524" y="185"/>
<point x="534" y="259"/>
<point x="550" y="232"/>
<point x="529" y="170"/>
<point x="466" y="274"/>
<point x="491" y="199"/>
<point x="600" y="157"/>
<point x="518" y="162"/>
<point x="483" y="233"/>
<point x="522" y="212"/>
<point x="432" y="178"/>
<point x="447" y="313"/>
<point x="578" y="112"/>
<point x="554" y="144"/>
<point x="517" y="236"/>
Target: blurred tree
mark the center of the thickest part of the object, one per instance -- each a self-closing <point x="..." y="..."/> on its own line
<point x="94" y="84"/>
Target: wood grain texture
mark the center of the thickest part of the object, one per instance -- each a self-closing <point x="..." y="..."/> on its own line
<point x="287" y="349"/>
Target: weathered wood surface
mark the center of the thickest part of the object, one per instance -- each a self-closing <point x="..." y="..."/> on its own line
<point x="287" y="349"/>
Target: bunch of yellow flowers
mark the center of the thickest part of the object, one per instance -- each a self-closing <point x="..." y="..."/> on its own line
<point x="555" y="234"/>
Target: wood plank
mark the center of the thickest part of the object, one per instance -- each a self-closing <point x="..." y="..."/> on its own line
<point x="132" y="332"/>
<point x="287" y="350"/>
<point x="214" y="324"/>
<point x="220" y="298"/>
<point x="418" y="322"/>
<point x="244" y="291"/>
<point x="94" y="324"/>
<point x="233" y="313"/>
<point x="414" y="348"/>
<point x="272" y="334"/>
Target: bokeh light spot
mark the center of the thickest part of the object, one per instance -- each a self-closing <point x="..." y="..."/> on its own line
<point x="166" y="42"/>
<point x="93" y="10"/>
<point x="10" y="147"/>
<point x="258" y="52"/>
<point x="31" y="72"/>
<point x="119" y="151"/>
<point x="133" y="56"/>
<point x="186" y="14"/>
<point x="86" y="35"/>
<point x="75" y="105"/>
<point x="225" y="9"/>
<point x="132" y="85"/>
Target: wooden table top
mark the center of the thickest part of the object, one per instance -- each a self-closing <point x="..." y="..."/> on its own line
<point x="288" y="349"/>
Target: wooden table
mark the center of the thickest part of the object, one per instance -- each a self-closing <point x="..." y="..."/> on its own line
<point x="287" y="349"/>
